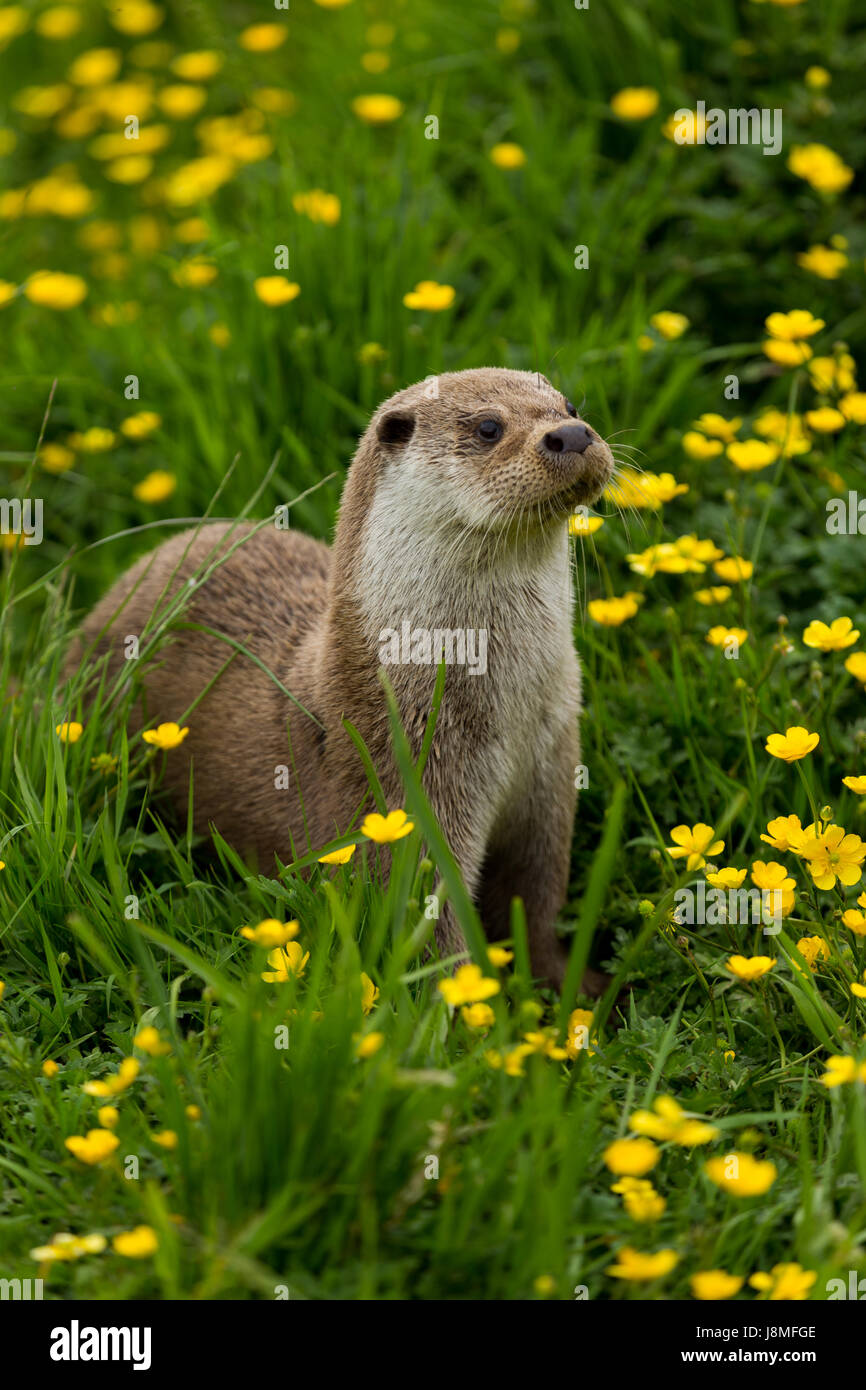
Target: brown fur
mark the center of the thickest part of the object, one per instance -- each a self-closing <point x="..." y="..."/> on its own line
<point x="441" y="529"/>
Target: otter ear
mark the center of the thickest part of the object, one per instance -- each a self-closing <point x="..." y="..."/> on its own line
<point x="397" y="427"/>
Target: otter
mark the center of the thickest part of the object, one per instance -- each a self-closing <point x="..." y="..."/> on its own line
<point x="453" y="520"/>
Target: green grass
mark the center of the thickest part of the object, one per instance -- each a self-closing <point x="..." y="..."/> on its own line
<point x="423" y="1171"/>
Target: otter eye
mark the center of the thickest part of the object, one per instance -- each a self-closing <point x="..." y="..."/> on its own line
<point x="489" y="431"/>
<point x="571" y="410"/>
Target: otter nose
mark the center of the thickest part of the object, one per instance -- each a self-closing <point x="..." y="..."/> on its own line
<point x="571" y="439"/>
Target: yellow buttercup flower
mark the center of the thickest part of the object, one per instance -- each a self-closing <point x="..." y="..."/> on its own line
<point x="135" y="17"/>
<point x="785" y="1283"/>
<point x="95" y="440"/>
<point x="841" y="1071"/>
<point x="777" y="887"/>
<point x="383" y="830"/>
<point x="661" y="487"/>
<point x="823" y="261"/>
<point x="108" y="1116"/>
<point x="198" y="179"/>
<point x="477" y="1016"/>
<point x="631" y="1157"/>
<point x="578" y="1033"/>
<point x="49" y="1068"/>
<point x="635" y="103"/>
<point x="667" y="1121"/>
<point x="136" y="1244"/>
<point x="369" y="993"/>
<point x="180" y="100"/>
<point x="718" y="427"/>
<point x="287" y="962"/>
<point x="262" y="38"/>
<point x="697" y="446"/>
<point x="69" y="1247"/>
<point x="69" y="732"/>
<point x="377" y="109"/>
<point x="821" y="167"/>
<point x="149" y="1041"/>
<point x="612" y="612"/>
<point x="275" y="290"/>
<point x="855" y="921"/>
<point x="95" y="68"/>
<point x="853" y="407"/>
<point x="582" y="525"/>
<point x="695" y="844"/>
<point x="117" y="1083"/>
<point x="856" y="666"/>
<point x="141" y="425"/>
<point x="793" y="326"/>
<point x="508" y="156"/>
<point x="750" y="455"/>
<point x="338" y="856"/>
<point x="168" y="735"/>
<point x="369" y="1045"/>
<point x="714" y="1285"/>
<point x="813" y="949"/>
<point x="198" y="66"/>
<point x="740" y="1174"/>
<point x="749" y="967"/>
<point x="664" y="558"/>
<point x="195" y="273"/>
<point x="52" y="289"/>
<point x="856" y="784"/>
<point x="837" y="373"/>
<point x="727" y="878"/>
<point x="785" y="833"/>
<point x="645" y="490"/>
<point x="784" y="428"/>
<point x="271" y="933"/>
<point x="639" y="1267"/>
<point x="156" y="487"/>
<point x="817" y="78"/>
<point x="786" y="354"/>
<point x="468" y="986"/>
<point x="832" y="854"/>
<point x="698" y="553"/>
<point x="825" y="421"/>
<point x="93" y="1148"/>
<point x="319" y="206"/>
<point x="544" y="1041"/>
<point x="166" y="1138"/>
<point x="721" y="636"/>
<point x="689" y="129"/>
<point x="668" y="324"/>
<point x="42" y="102"/>
<point x="794" y="744"/>
<point x="499" y="957"/>
<point x="640" y="1199"/>
<point x="14" y="20"/>
<point x="734" y="569"/>
<point x="771" y="876"/>
<point x="430" y="296"/>
<point x="719" y="593"/>
<point x="840" y="634"/>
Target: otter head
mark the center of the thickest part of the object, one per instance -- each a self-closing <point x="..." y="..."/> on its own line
<point x="489" y="450"/>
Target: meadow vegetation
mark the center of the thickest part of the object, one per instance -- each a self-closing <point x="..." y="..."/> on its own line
<point x="223" y="1083"/>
